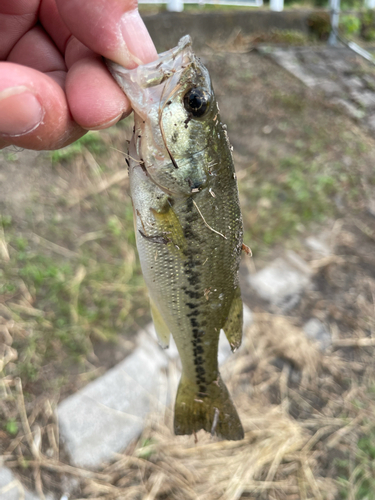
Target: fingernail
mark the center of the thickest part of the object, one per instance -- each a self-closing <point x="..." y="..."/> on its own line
<point x="140" y="47"/>
<point x="20" y="111"/>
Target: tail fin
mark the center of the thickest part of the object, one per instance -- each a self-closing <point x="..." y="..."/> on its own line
<point x="214" y="413"/>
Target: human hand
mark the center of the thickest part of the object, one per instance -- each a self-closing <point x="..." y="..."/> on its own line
<point x="54" y="85"/>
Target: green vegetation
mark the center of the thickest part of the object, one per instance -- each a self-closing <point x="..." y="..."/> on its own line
<point x="149" y="9"/>
<point x="319" y="25"/>
<point x="357" y="473"/>
<point x="11" y="427"/>
<point x="92" y="141"/>
<point x="368" y="25"/>
<point x="285" y="37"/>
<point x="75" y="301"/>
<point x="146" y="448"/>
<point x="350" y="24"/>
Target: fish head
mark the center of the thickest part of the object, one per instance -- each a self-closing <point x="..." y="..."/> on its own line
<point x="176" y="117"/>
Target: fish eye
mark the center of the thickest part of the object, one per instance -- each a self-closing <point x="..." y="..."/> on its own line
<point x="196" y="102"/>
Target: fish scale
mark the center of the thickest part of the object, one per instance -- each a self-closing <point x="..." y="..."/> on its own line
<point x="188" y="227"/>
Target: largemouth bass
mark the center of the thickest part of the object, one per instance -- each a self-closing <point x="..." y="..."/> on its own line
<point x="188" y="227"/>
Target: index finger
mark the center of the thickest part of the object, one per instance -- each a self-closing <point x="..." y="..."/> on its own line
<point x="15" y="19"/>
<point x="112" y="28"/>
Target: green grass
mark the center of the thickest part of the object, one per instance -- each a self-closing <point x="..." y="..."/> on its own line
<point x="9" y="156"/>
<point x="81" y="300"/>
<point x="356" y="475"/>
<point x="93" y="141"/>
<point x="79" y="310"/>
<point x="11" y="427"/>
<point x="355" y="469"/>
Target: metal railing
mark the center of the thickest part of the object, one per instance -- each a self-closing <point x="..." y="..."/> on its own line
<point x="178" y="5"/>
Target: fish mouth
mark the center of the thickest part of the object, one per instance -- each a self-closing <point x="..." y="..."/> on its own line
<point x="168" y="66"/>
<point x="150" y="86"/>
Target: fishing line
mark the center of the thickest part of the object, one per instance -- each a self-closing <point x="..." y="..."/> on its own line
<point x="209" y="227"/>
<point x="177" y="87"/>
<point x="126" y="154"/>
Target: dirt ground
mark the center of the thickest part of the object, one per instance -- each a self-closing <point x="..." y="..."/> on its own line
<point x="72" y="297"/>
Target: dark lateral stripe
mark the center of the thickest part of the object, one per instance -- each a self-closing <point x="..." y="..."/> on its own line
<point x="193" y="295"/>
<point x="193" y="280"/>
<point x="192" y="306"/>
<point x="193" y="313"/>
<point x="194" y="323"/>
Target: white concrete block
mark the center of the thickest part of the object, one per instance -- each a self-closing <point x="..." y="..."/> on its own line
<point x="106" y="415"/>
<point x="281" y="283"/>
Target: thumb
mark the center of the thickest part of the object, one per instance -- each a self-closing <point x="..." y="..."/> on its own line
<point x="111" y="28"/>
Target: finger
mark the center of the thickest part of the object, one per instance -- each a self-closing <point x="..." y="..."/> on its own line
<point x="36" y="50"/>
<point x="16" y="18"/>
<point x="67" y="44"/>
<point x="33" y="110"/>
<point x="95" y="100"/>
<point x="53" y="24"/>
<point x="75" y="50"/>
<point x="112" y="28"/>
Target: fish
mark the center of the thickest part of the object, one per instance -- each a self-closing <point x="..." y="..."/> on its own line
<point x="188" y="227"/>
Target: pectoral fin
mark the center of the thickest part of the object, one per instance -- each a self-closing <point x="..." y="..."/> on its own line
<point x="169" y="225"/>
<point x="234" y="322"/>
<point x="162" y="331"/>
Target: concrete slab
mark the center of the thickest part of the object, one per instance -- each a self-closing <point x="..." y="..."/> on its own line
<point x="288" y="59"/>
<point x="371" y="122"/>
<point x="370" y="206"/>
<point x="282" y="282"/>
<point x="315" y="330"/>
<point x="106" y="415"/>
<point x="365" y="98"/>
<point x="12" y="489"/>
<point x="334" y="71"/>
<point x="348" y="107"/>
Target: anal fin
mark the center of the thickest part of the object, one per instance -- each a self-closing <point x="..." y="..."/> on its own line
<point x="162" y="331"/>
<point x="234" y="322"/>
